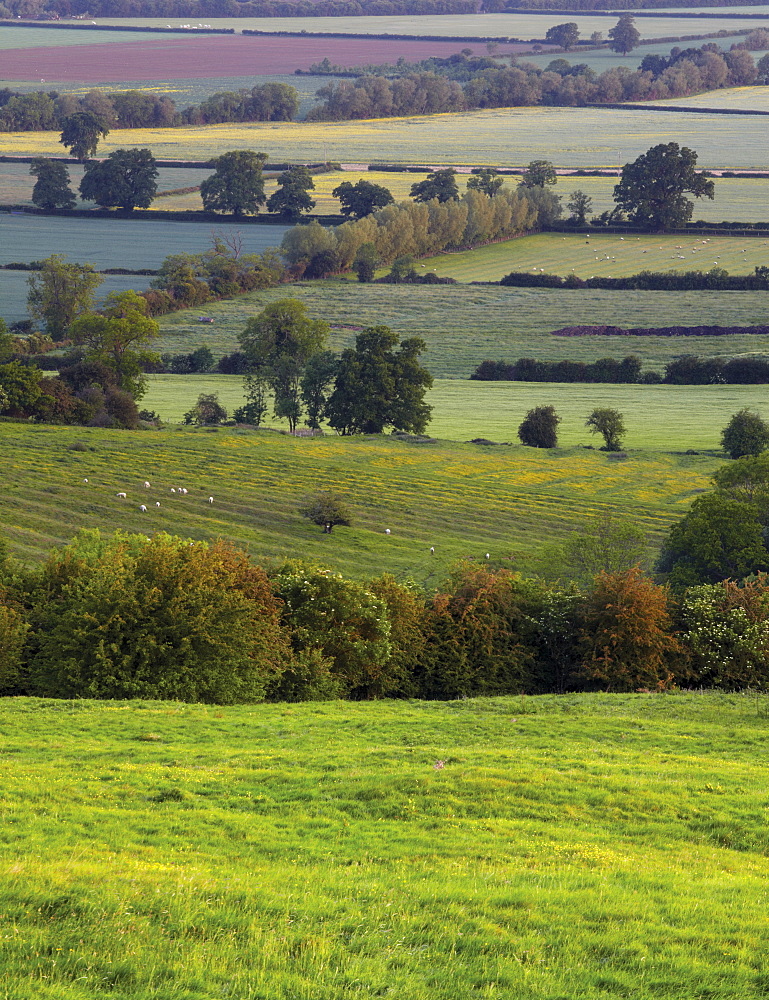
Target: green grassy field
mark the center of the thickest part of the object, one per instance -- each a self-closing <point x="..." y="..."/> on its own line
<point x="743" y="98"/>
<point x="463" y="499"/>
<point x="577" y="137"/>
<point x="604" y="255"/>
<point x="582" y="847"/>
<point x="463" y="325"/>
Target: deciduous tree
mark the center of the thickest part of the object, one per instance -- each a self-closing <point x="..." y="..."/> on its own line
<point x="539" y="174"/>
<point x="126" y="179"/>
<point x="291" y="197"/>
<point x="624" y="35"/>
<point x="362" y="198"/>
<point x="207" y="411"/>
<point x="652" y="188"/>
<point x="60" y="292"/>
<point x="565" y="35"/>
<point x="539" y="428"/>
<point x="745" y="434"/>
<point x="51" y="189"/>
<point x="81" y="132"/>
<point x="609" y="424"/>
<point x="486" y="180"/>
<point x="440" y="184"/>
<point x="237" y="186"/>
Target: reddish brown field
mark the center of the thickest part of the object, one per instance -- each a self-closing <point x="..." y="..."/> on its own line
<point x="215" y="56"/>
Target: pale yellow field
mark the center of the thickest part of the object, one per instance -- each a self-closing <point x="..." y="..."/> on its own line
<point x="579" y="137"/>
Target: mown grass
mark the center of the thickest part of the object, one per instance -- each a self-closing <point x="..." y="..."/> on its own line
<point x="581" y="847"/>
<point x="604" y="255"/>
<point x="658" y="417"/>
<point x="578" y="137"/>
<point x="463" y="499"/>
<point x="463" y="325"/>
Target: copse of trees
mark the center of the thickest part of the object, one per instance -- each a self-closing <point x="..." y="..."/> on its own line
<point x="716" y="279"/>
<point x="126" y="179"/>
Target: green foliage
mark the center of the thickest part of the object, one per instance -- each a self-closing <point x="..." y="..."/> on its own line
<point x="291" y="197"/>
<point x="579" y="204"/>
<point x="609" y="424"/>
<point x="126" y="179"/>
<point x="652" y="188"/>
<point x="745" y="434"/>
<point x="253" y="411"/>
<point x="727" y="633"/>
<point x="278" y="344"/>
<point x="440" y="184"/>
<point x="539" y="428"/>
<point x="207" y="411"/>
<point x="486" y="180"/>
<point x="80" y="133"/>
<point x="318" y="378"/>
<point x="327" y="509"/>
<point x="376" y="387"/>
<point x="125" y="616"/>
<point x="566" y="35"/>
<point x="13" y="632"/>
<point x="539" y="174"/>
<point x="345" y="621"/>
<point x="115" y="337"/>
<point x="362" y="198"/>
<point x="605" y="543"/>
<point x="624" y="35"/>
<point x="627" y="641"/>
<point x="237" y="186"/>
<point x="20" y="387"/>
<point x="720" y="538"/>
<point x="51" y="189"/>
<point x="366" y="261"/>
<point x="59" y="292"/>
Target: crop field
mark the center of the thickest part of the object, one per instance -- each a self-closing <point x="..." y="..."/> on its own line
<point x="464" y="325"/>
<point x="603" y="59"/>
<point x="107" y="242"/>
<point x="738" y="98"/>
<point x="507" y="501"/>
<point x="605" y="255"/>
<point x="580" y="846"/>
<point x="14" y="289"/>
<point x="205" y="55"/>
<point x="576" y="137"/>
<point x="658" y="418"/>
<point x="525" y="26"/>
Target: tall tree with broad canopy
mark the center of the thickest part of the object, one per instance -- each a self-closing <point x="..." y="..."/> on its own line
<point x="361" y="199"/>
<point x="609" y="424"/>
<point x="566" y="35"/>
<point x="80" y="133"/>
<point x="624" y="35"/>
<point x="440" y="184"/>
<point x="292" y="198"/>
<point x="652" y="188"/>
<point x="116" y="336"/>
<point x="126" y="179"/>
<point x="539" y="174"/>
<point x="59" y="292"/>
<point x="278" y="343"/>
<point x="378" y="387"/>
<point x="51" y="188"/>
<point x="486" y="180"/>
<point x="237" y="186"/>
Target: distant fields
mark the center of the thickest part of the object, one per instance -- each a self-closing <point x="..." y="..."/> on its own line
<point x="578" y="137"/>
<point x="658" y="418"/>
<point x="580" y="846"/>
<point x="604" y="255"/>
<point x="463" y="325"/>
<point x="739" y="98"/>
<point x="463" y="499"/>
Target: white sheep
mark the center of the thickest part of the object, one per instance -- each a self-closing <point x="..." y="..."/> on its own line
<point x="210" y="499"/>
<point x="142" y="508"/>
<point x="121" y="495"/>
<point x="85" y="480"/>
<point x="173" y="490"/>
<point x="432" y="550"/>
<point x="146" y="484"/>
<point x="157" y="503"/>
<point x="387" y="531"/>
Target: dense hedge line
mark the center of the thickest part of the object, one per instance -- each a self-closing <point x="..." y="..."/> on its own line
<point x="688" y="370"/>
<point x="126" y="616"/>
<point x="716" y="279"/>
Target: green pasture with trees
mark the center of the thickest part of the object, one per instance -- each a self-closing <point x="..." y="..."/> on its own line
<point x="328" y="848"/>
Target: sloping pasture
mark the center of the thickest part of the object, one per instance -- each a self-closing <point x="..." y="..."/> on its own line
<point x="576" y="137"/>
<point x="462" y="499"/>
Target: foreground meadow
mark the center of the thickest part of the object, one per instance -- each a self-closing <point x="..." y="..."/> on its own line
<point x="463" y="500"/>
<point x="549" y="848"/>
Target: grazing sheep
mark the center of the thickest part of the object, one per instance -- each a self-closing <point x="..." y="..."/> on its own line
<point x="146" y="484"/>
<point x="173" y="490"/>
<point x="121" y="495"/>
<point x="85" y="480"/>
<point x="142" y="508"/>
<point x="387" y="531"/>
<point x="432" y="550"/>
<point x="210" y="499"/>
<point x="157" y="503"/>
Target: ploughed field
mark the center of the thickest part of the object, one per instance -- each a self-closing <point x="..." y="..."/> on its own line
<point x="462" y="499"/>
<point x="577" y="846"/>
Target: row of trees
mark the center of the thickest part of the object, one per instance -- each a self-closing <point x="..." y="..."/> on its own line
<point x="686" y="370"/>
<point x="185" y="620"/>
<point x="684" y="72"/>
<point x="623" y="37"/>
<point x="202" y="9"/>
<point x="75" y="114"/>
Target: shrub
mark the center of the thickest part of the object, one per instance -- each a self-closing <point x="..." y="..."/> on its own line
<point x="745" y="434"/>
<point x="125" y="616"/>
<point x="627" y="641"/>
<point x="540" y="427"/>
<point x="13" y="631"/>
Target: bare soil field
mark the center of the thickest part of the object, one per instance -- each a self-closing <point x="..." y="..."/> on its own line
<point x="201" y="57"/>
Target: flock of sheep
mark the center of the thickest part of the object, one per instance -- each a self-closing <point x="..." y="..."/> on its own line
<point x="143" y="507"/>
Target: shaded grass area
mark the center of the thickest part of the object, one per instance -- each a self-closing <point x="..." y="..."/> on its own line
<point x="582" y="846"/>
<point x="463" y="499"/>
<point x="463" y="325"/>
<point x="658" y="417"/>
<point x="577" y="137"/>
